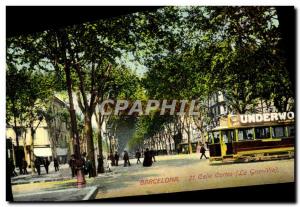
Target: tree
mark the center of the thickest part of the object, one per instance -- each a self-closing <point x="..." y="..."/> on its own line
<point x="27" y="94"/>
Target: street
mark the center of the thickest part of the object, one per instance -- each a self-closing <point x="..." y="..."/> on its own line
<point x="173" y="173"/>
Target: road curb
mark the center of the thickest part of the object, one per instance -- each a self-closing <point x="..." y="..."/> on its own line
<point x="39" y="181"/>
<point x="91" y="194"/>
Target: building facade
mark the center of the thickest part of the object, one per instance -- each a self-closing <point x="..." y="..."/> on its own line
<point x="48" y="137"/>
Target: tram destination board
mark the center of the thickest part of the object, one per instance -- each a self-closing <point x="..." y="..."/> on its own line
<point x="150" y="104"/>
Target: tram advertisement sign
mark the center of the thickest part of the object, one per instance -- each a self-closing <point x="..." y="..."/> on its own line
<point x="265" y="117"/>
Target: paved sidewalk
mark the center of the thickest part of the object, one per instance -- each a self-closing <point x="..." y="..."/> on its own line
<point x="59" y="186"/>
<point x="190" y="172"/>
<point x="63" y="174"/>
<point x="70" y="194"/>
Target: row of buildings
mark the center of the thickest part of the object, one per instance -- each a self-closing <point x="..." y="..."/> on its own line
<point x="52" y="136"/>
<point x="218" y="107"/>
<point x="48" y="136"/>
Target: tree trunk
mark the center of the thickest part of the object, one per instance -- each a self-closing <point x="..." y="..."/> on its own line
<point x="74" y="131"/>
<point x="31" y="150"/>
<point x="18" y="158"/>
<point x="100" y="168"/>
<point x="63" y="39"/>
<point x="9" y="194"/>
<point x="170" y="144"/>
<point x="88" y="131"/>
<point x="189" y="144"/>
<point x="25" y="149"/>
<point x="188" y="131"/>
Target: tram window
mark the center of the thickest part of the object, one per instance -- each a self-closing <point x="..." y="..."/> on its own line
<point x="262" y="133"/>
<point x="216" y="137"/>
<point x="245" y="134"/>
<point x="291" y="131"/>
<point x="227" y="136"/>
<point x="278" y="132"/>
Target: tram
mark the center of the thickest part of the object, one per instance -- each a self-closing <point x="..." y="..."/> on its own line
<point x="257" y="137"/>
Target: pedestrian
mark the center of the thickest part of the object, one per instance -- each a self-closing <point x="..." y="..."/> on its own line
<point x="56" y="164"/>
<point x="20" y="167"/>
<point x="112" y="159"/>
<point x="117" y="158"/>
<point x="12" y="168"/>
<point x="107" y="163"/>
<point x="72" y="164"/>
<point x="202" y="151"/>
<point x="89" y="168"/>
<point x="24" y="166"/>
<point x="83" y="159"/>
<point x="138" y="156"/>
<point x="152" y="153"/>
<point x="37" y="164"/>
<point x="100" y="163"/>
<point x="147" y="158"/>
<point x="46" y="164"/>
<point x="126" y="159"/>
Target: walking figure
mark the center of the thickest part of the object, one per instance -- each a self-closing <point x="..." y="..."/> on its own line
<point x="56" y="164"/>
<point x="37" y="164"/>
<point x="24" y="166"/>
<point x="147" y="158"/>
<point x="126" y="159"/>
<point x="107" y="164"/>
<point x="202" y="151"/>
<point x="83" y="160"/>
<point x="152" y="153"/>
<point x="112" y="159"/>
<point x="46" y="164"/>
<point x="138" y="156"/>
<point x="117" y="158"/>
<point x="89" y="168"/>
<point x="100" y="163"/>
<point x="72" y="162"/>
<point x="12" y="168"/>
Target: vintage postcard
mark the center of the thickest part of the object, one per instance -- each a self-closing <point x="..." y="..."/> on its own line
<point x="149" y="101"/>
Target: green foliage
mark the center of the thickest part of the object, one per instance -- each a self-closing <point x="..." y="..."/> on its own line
<point x="148" y="126"/>
<point x="27" y="93"/>
<point x="189" y="53"/>
<point x="230" y="49"/>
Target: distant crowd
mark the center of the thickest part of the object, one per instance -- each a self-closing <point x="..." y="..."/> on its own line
<point x="38" y="163"/>
<point x="87" y="165"/>
<point x="110" y="160"/>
